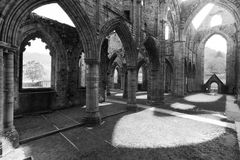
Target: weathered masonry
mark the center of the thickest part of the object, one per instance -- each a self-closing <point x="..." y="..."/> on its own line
<point x="113" y="43"/>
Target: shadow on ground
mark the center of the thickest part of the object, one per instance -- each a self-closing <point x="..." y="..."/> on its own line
<point x="139" y="136"/>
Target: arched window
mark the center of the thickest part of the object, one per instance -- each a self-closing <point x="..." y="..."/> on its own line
<point x="214" y="86"/>
<point x="215" y="55"/>
<point x="216" y="20"/>
<point x="36" y="65"/>
<point x="115" y="77"/>
<point x="166" y="32"/>
<point x="140" y="76"/>
<point x="82" y="71"/>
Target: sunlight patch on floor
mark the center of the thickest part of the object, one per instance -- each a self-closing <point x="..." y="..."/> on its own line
<point x="118" y="94"/>
<point x="17" y="154"/>
<point x="148" y="129"/>
<point x="219" y="115"/>
<point x="201" y="97"/>
<point x="105" y="104"/>
<point x="142" y="97"/>
<point x="232" y="109"/>
<point x="182" y="106"/>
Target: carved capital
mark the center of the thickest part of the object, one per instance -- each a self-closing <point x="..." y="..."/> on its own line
<point x="8" y="48"/>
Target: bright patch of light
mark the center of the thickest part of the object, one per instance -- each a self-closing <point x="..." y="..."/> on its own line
<point x="198" y="19"/>
<point x="202" y="98"/>
<point x="104" y="104"/>
<point x="16" y="154"/>
<point x="147" y="130"/>
<point x="37" y="46"/>
<point x="141" y="97"/>
<point x="114" y="92"/>
<point x="167" y="32"/>
<point x="219" y="115"/>
<point x="55" y="12"/>
<point x="182" y="106"/>
<point x="214" y="85"/>
<point x="142" y="92"/>
<point x="37" y="52"/>
<point x="216" y="20"/>
<point x="217" y="43"/>
<point x="140" y="76"/>
<point x="118" y="94"/>
<point x="115" y="77"/>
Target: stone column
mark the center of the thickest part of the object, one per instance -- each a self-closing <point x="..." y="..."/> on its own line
<point x="102" y="84"/>
<point x="238" y="69"/>
<point x="179" y="84"/>
<point x="1" y="98"/>
<point x="157" y="87"/>
<point x="149" y="84"/>
<point x="131" y="103"/>
<point x="145" y="81"/>
<point x="112" y="81"/>
<point x="102" y="87"/>
<point x="9" y="135"/>
<point x="122" y="78"/>
<point x="125" y="89"/>
<point x="108" y="84"/>
<point x="92" y="89"/>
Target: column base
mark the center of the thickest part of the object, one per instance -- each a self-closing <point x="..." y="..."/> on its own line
<point x="132" y="107"/>
<point x="9" y="140"/>
<point x="93" y="118"/>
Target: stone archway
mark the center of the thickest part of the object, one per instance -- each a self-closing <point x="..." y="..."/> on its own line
<point x="230" y="59"/>
<point x="142" y="64"/>
<point x="168" y="76"/>
<point x="58" y="51"/>
<point x="214" y="79"/>
<point x="15" y="14"/>
<point x="125" y="36"/>
<point x="193" y="8"/>
<point x="12" y="18"/>
<point x="156" y="79"/>
<point x="129" y="46"/>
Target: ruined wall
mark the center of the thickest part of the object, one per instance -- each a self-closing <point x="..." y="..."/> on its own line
<point x="65" y="50"/>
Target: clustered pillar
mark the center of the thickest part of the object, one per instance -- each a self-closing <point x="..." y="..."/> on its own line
<point x="157" y="87"/>
<point x="92" y="87"/>
<point x="179" y="47"/>
<point x="132" y="85"/>
<point x="238" y="70"/>
<point x="9" y="135"/>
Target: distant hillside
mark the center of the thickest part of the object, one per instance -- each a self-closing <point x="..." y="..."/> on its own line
<point x="214" y="62"/>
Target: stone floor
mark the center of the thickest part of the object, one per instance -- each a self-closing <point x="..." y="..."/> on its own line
<point x="154" y="132"/>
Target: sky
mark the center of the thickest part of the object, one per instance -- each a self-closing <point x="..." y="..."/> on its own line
<point x="54" y="11"/>
<point x="202" y="14"/>
<point x="37" y="46"/>
<point x="217" y="42"/>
